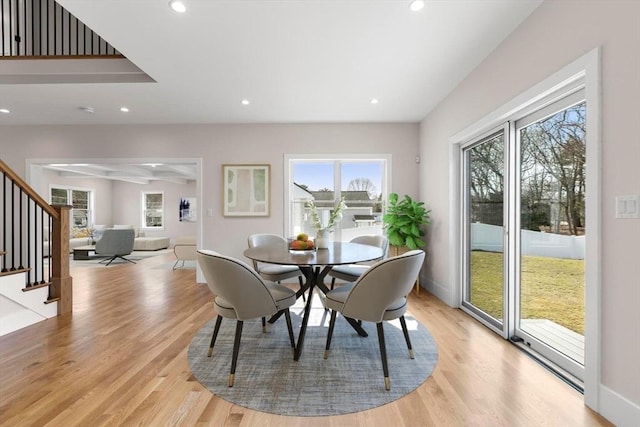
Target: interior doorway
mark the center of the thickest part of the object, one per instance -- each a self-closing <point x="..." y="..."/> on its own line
<point x="131" y="170"/>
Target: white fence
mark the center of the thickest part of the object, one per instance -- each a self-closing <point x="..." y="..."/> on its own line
<point x="489" y="238"/>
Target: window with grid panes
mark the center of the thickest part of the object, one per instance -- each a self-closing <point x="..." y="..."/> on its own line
<point x="152" y="210"/>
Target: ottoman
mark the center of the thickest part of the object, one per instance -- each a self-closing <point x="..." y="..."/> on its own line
<point x="150" y="243"/>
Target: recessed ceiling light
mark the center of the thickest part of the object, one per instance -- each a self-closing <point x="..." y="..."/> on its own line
<point x="416" y="5"/>
<point x="245" y="102"/>
<point x="4" y="111"/>
<point x="89" y="110"/>
<point x="374" y="101"/>
<point x="124" y="109"/>
<point x="178" y="6"/>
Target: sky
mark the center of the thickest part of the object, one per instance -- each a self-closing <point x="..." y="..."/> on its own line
<point x="319" y="175"/>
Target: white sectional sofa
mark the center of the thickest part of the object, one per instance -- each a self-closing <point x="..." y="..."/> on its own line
<point x="144" y="243"/>
<point x="82" y="237"/>
<point x="76" y="239"/>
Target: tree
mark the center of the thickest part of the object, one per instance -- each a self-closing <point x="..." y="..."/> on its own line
<point x="555" y="150"/>
<point x="487" y="181"/>
<point x="363" y="184"/>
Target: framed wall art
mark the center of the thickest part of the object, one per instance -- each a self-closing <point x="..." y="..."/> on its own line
<point x="246" y="190"/>
<point x="188" y="209"/>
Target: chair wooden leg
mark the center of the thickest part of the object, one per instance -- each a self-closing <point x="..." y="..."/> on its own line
<point x="215" y="335"/>
<point x="264" y="325"/>
<point x="406" y="335"/>
<point x="332" y="323"/>
<point x="236" y="348"/>
<point x="287" y="315"/>
<point x="333" y="282"/>
<point x="383" y="354"/>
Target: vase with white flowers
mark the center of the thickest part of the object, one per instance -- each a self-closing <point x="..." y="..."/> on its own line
<point x="323" y="230"/>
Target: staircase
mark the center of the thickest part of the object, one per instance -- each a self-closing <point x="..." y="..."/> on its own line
<point x="33" y="287"/>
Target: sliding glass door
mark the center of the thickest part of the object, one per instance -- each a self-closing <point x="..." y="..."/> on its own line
<point x="484" y="290"/>
<point x="552" y="190"/>
<point x="528" y="284"/>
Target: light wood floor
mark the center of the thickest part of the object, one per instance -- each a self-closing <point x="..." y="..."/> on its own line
<point x="120" y="359"/>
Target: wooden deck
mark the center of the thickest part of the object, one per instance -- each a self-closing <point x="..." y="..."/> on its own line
<point x="566" y="341"/>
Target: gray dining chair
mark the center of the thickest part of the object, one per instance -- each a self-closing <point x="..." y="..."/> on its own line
<point x="273" y="272"/>
<point x="379" y="294"/>
<point x="241" y="294"/>
<point x="351" y="272"/>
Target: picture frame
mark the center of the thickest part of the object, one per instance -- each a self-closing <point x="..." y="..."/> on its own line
<point x="246" y="189"/>
<point x="188" y="209"/>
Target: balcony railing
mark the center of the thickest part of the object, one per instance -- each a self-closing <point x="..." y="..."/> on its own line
<point x="43" y="28"/>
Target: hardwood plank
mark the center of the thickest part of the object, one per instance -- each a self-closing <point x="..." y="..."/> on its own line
<point x="120" y="359"/>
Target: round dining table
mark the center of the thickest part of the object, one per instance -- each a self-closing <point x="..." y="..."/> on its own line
<point x="315" y="265"/>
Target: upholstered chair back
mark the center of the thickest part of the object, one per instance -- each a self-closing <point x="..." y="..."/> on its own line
<point x="384" y="285"/>
<point x="237" y="284"/>
<point x="116" y="242"/>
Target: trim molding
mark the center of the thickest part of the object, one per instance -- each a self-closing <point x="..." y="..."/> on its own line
<point x="617" y="409"/>
<point x="443" y="293"/>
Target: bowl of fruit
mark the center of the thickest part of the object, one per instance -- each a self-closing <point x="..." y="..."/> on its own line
<point x="302" y="244"/>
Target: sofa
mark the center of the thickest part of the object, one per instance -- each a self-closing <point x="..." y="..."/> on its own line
<point x="77" y="237"/>
<point x="142" y="242"/>
<point x="82" y="236"/>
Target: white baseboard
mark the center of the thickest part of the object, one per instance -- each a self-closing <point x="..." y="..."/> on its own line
<point x="443" y="293"/>
<point x="617" y="409"/>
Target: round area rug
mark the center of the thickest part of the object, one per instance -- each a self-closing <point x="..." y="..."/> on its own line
<point x="267" y="378"/>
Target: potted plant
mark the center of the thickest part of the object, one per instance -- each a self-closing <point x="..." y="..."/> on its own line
<point x="404" y="221"/>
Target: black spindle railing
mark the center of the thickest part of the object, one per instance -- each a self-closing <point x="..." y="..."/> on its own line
<point x="44" y="28"/>
<point x="20" y="229"/>
<point x="26" y="229"/>
<point x="4" y="224"/>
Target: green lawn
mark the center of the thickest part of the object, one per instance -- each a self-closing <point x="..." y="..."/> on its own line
<point x="552" y="288"/>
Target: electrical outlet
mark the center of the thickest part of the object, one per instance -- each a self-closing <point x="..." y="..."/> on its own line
<point x="628" y="206"/>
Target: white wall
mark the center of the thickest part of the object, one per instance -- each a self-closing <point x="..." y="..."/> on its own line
<point x="217" y="145"/>
<point x="128" y="202"/>
<point x="557" y="33"/>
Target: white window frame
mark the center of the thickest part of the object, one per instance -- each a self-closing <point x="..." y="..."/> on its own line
<point x="143" y="211"/>
<point x="69" y="190"/>
<point x="290" y="159"/>
<point x="585" y="69"/>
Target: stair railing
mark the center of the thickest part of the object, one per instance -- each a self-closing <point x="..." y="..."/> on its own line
<point x="34" y="238"/>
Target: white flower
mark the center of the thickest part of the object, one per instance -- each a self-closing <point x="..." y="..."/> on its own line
<point x="334" y="218"/>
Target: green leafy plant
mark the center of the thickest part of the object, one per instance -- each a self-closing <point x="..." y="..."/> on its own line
<point x="403" y="221"/>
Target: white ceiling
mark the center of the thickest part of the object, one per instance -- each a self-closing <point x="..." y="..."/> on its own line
<point x="133" y="171"/>
<point x="297" y="61"/>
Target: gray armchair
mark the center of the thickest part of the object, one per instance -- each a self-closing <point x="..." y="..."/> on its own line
<point x="115" y="244"/>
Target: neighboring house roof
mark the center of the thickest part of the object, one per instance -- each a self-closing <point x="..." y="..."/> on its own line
<point x="301" y="193"/>
<point x="356" y="198"/>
